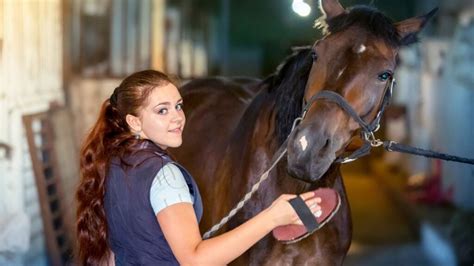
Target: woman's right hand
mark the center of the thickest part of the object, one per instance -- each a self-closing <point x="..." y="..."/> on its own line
<point x="282" y="212"/>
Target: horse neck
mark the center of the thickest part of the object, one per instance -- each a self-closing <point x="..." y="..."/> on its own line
<point x="253" y="146"/>
<point x="253" y="142"/>
<point x="266" y="124"/>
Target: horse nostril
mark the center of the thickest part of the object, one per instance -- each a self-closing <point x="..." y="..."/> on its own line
<point x="326" y="144"/>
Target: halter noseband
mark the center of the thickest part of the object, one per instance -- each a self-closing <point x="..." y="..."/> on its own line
<point x="367" y="130"/>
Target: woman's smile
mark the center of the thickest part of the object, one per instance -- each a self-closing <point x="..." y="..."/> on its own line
<point x="177" y="130"/>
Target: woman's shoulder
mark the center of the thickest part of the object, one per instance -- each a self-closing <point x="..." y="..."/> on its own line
<point x="144" y="155"/>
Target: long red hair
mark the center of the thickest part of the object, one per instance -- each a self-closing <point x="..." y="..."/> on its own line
<point x="110" y="137"/>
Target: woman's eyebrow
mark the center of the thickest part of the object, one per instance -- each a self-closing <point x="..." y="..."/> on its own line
<point x="168" y="103"/>
<point x="163" y="103"/>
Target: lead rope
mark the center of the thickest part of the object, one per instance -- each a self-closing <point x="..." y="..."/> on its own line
<point x="255" y="187"/>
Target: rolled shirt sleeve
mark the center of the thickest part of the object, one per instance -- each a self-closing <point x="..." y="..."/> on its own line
<point x="169" y="187"/>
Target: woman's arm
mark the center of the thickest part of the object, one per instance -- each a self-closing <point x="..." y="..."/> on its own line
<point x="180" y="227"/>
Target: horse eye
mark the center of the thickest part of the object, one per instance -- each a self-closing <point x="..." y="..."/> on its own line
<point x="314" y="55"/>
<point x="385" y="76"/>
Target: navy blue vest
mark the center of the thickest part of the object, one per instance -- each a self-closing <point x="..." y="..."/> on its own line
<point x="134" y="233"/>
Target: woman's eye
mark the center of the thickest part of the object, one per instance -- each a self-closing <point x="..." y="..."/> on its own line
<point x="385" y="76"/>
<point x="163" y="111"/>
<point x="179" y="106"/>
<point x="314" y="55"/>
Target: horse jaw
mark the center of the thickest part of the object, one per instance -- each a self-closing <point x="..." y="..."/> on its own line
<point x="315" y="170"/>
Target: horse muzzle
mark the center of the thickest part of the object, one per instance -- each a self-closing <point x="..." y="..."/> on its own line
<point x="310" y="153"/>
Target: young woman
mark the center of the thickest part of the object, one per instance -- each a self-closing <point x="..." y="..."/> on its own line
<point x="135" y="201"/>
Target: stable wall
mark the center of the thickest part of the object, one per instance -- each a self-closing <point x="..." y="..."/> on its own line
<point x="30" y="78"/>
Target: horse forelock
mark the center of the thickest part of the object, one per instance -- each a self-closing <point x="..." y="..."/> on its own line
<point x="366" y="17"/>
<point x="288" y="85"/>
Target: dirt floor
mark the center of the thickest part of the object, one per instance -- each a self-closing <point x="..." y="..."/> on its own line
<point x="382" y="232"/>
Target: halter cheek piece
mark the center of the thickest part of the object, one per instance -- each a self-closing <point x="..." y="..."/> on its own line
<point x="367" y="130"/>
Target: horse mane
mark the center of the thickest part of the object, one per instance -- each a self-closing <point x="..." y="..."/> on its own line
<point x="288" y="85"/>
<point x="368" y="18"/>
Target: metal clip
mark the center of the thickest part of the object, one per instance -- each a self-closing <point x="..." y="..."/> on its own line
<point x="376" y="143"/>
<point x="389" y="146"/>
<point x="370" y="137"/>
<point x="377" y="128"/>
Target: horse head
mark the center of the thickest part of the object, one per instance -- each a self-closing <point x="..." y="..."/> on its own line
<point x="356" y="59"/>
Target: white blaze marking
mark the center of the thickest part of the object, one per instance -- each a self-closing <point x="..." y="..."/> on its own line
<point x="361" y="49"/>
<point x="303" y="142"/>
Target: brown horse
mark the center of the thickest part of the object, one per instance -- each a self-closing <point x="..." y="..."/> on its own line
<point x="235" y="126"/>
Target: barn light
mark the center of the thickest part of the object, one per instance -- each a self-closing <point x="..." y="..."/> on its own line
<point x="301" y="8"/>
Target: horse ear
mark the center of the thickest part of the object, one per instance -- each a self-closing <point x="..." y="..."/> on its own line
<point x="409" y="28"/>
<point x="331" y="8"/>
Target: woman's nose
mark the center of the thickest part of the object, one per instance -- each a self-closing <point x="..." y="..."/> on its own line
<point x="178" y="116"/>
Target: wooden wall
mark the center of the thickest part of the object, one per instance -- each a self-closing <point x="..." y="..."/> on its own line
<point x="31" y="78"/>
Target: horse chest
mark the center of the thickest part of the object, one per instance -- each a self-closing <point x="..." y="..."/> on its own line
<point x="308" y="253"/>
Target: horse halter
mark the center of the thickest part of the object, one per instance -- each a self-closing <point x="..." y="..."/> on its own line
<point x="367" y="130"/>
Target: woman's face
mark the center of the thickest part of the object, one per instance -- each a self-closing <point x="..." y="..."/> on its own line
<point x="162" y="119"/>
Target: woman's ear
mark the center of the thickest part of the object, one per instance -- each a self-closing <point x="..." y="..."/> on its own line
<point x="134" y="123"/>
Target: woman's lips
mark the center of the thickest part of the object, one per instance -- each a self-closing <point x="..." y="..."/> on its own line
<point x="176" y="131"/>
